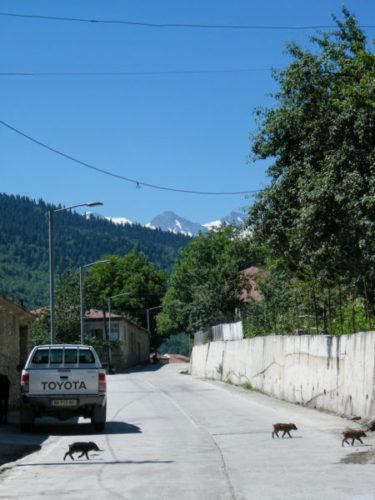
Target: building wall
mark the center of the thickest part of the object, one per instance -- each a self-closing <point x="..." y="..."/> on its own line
<point x="134" y="345"/>
<point x="14" y="346"/>
<point x="330" y="373"/>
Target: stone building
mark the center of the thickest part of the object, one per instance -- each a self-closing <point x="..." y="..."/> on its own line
<point x="134" y="341"/>
<point x="14" y="342"/>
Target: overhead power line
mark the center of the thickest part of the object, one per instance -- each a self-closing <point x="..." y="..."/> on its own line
<point x="131" y="73"/>
<point x="137" y="183"/>
<point x="173" y="25"/>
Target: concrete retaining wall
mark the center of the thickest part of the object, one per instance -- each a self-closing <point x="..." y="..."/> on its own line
<point x="330" y="373"/>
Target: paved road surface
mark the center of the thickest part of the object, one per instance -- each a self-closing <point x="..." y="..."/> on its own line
<point x="173" y="437"/>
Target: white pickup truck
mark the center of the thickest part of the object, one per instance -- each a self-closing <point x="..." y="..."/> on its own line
<point x="63" y="381"/>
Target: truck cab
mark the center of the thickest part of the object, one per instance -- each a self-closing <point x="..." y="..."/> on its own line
<point x="63" y="381"/>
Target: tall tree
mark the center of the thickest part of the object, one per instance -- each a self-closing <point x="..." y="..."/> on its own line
<point x="132" y="274"/>
<point x="317" y="217"/>
<point x="205" y="285"/>
<point x="140" y="283"/>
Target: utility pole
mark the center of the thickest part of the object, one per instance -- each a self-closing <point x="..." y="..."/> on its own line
<point x="51" y="253"/>
<point x="148" y="315"/>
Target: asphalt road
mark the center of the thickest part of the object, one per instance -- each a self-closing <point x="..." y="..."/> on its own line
<point x="173" y="437"/>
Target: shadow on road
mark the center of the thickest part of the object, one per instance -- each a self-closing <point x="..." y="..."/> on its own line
<point x="98" y="462"/>
<point x="13" y="451"/>
<point x="152" y="367"/>
<point x="75" y="429"/>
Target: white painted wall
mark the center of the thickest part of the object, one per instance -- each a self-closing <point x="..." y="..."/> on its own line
<point x="330" y="373"/>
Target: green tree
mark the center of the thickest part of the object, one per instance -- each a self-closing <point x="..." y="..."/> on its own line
<point x="205" y="285"/>
<point x="78" y="240"/>
<point x="67" y="313"/>
<point x="132" y="274"/>
<point x="317" y="217"/>
<point x="143" y="284"/>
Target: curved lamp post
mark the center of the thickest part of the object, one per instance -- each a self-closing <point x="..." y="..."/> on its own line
<point x="52" y="261"/>
<point x="148" y="315"/>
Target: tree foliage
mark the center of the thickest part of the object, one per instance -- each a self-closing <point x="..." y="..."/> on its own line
<point x="132" y="274"/>
<point x="78" y="241"/>
<point x="204" y="288"/>
<point x="317" y="217"/>
<point x="67" y="309"/>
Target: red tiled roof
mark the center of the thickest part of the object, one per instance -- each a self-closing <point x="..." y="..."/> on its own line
<point x="94" y="314"/>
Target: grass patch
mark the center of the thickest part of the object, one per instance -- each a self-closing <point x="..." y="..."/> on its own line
<point x="248" y="386"/>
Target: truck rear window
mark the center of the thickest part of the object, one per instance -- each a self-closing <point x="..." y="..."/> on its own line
<point x="86" y="357"/>
<point x="63" y="356"/>
<point x="41" y="357"/>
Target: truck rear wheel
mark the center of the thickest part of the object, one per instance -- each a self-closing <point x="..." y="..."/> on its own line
<point x="98" y="418"/>
<point x="26" y="419"/>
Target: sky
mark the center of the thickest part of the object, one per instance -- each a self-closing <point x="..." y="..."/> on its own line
<point x="189" y="131"/>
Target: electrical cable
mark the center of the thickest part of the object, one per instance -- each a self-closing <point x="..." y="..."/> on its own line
<point x="172" y="25"/>
<point x="130" y="73"/>
<point x="138" y="183"/>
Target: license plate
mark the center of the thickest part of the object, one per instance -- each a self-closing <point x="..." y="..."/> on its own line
<point x="64" y="403"/>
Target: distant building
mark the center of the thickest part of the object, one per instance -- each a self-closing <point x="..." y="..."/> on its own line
<point x="251" y="292"/>
<point x="134" y="341"/>
<point x="14" y="341"/>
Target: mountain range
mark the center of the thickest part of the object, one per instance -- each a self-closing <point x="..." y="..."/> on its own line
<point x="173" y="223"/>
<point x="79" y="240"/>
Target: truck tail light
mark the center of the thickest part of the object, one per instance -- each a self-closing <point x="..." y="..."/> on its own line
<point x="102" y="382"/>
<point x="24" y="382"/>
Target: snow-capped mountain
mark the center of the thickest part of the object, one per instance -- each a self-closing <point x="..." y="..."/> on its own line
<point x="169" y="221"/>
<point x="121" y="221"/>
<point x="235" y="218"/>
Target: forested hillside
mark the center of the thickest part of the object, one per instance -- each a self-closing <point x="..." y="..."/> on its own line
<point x="78" y="240"/>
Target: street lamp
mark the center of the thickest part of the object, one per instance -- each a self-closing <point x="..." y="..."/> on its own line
<point x="51" y="213"/>
<point x="81" y="298"/>
<point x="148" y="315"/>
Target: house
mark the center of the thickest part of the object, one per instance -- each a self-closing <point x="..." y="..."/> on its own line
<point x="251" y="292"/>
<point x="15" y="344"/>
<point x="133" y="340"/>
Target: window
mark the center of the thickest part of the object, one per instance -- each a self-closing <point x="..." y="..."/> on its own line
<point x="97" y="333"/>
<point x="115" y="331"/>
<point x="41" y="357"/>
<point x="86" y="357"/>
<point x="70" y="356"/>
<point x="56" y="357"/>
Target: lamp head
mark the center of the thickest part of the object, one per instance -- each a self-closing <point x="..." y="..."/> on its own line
<point x="94" y="204"/>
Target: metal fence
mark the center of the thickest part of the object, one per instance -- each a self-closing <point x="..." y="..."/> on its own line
<point x="225" y="331"/>
<point x="330" y="311"/>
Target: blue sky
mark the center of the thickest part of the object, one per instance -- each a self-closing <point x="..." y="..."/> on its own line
<point x="189" y="131"/>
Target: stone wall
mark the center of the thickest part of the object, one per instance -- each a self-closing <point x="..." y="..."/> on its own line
<point x="14" y="345"/>
<point x="330" y="373"/>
